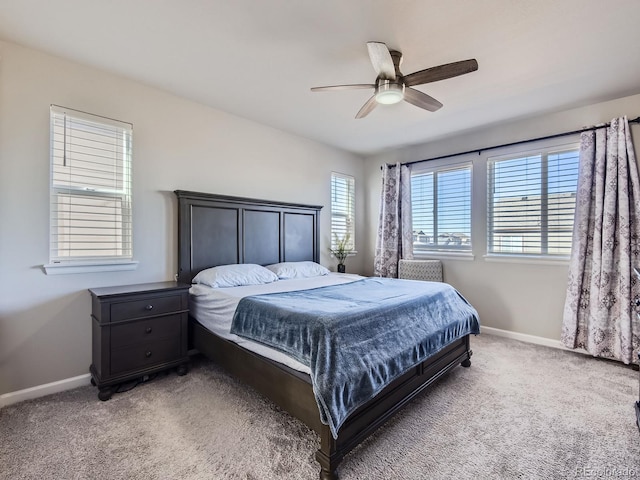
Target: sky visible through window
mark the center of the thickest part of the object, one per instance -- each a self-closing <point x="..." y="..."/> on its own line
<point x="563" y="172"/>
<point x="441" y="205"/>
<point x="524" y="175"/>
<point x="531" y="203"/>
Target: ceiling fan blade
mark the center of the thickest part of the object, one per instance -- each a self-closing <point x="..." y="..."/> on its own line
<point x="343" y="87"/>
<point x="367" y="107"/>
<point x="422" y="100"/>
<point x="441" y="72"/>
<point x="381" y="60"/>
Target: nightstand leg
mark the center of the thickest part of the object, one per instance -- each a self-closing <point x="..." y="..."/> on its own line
<point x="105" y="393"/>
<point x="182" y="369"/>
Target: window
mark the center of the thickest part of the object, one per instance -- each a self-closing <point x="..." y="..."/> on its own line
<point x="531" y="202"/>
<point x="90" y="209"/>
<point x="441" y="209"/>
<point x="343" y="206"/>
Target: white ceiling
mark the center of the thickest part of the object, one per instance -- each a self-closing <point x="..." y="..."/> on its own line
<point x="258" y="58"/>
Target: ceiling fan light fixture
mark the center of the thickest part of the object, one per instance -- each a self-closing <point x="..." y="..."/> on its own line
<point x="388" y="93"/>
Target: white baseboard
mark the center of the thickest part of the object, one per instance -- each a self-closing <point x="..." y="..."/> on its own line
<point x="46" y="389"/>
<point x="81" y="380"/>
<point x="524" y="337"/>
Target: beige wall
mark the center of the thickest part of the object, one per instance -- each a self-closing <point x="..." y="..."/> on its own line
<point x="45" y="329"/>
<point x="44" y="320"/>
<point x="519" y="297"/>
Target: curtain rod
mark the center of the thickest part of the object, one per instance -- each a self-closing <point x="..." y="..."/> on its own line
<point x="548" y="137"/>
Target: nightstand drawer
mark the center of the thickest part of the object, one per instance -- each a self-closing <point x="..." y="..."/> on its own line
<point x="147" y="355"/>
<point x="145" y="331"/>
<point x="145" y="308"/>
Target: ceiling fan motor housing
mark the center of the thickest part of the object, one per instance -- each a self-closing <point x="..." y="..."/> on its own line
<point x="388" y="92"/>
<point x="391" y="90"/>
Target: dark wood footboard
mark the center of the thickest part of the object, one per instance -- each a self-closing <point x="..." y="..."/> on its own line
<point x="292" y="391"/>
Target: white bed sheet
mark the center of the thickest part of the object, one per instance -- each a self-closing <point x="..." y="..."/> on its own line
<point x="214" y="309"/>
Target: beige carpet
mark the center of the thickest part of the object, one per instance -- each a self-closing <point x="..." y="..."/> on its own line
<point x="520" y="412"/>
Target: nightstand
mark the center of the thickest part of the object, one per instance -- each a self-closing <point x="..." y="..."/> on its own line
<point x="137" y="330"/>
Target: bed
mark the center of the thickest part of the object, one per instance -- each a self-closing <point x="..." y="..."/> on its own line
<point x="222" y="230"/>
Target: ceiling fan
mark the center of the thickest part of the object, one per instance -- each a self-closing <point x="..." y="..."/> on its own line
<point x="392" y="87"/>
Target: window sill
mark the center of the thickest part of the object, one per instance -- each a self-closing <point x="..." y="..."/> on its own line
<point x="468" y="256"/>
<point x="531" y="259"/>
<point x="68" y="268"/>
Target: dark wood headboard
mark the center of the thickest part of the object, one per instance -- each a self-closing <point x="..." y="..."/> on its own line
<point x="220" y="230"/>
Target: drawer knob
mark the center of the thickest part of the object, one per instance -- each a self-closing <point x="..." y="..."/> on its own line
<point x="148" y="330"/>
<point x="149" y="307"/>
<point x="148" y="354"/>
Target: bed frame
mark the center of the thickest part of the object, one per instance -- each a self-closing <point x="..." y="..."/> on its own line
<point x="220" y="230"/>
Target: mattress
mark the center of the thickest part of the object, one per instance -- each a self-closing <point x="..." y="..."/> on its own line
<point x="214" y="308"/>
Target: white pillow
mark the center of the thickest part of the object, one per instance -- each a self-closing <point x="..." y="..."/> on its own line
<point x="286" y="270"/>
<point x="235" y="275"/>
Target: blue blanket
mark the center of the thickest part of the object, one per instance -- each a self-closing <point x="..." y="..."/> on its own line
<point x="358" y="337"/>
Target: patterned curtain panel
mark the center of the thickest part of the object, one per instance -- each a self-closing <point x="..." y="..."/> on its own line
<point x="599" y="312"/>
<point x="395" y="230"/>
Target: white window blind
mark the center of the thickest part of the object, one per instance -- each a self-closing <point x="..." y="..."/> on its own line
<point x="90" y="209"/>
<point x="531" y="202"/>
<point x="343" y="206"/>
<point x="441" y="209"/>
